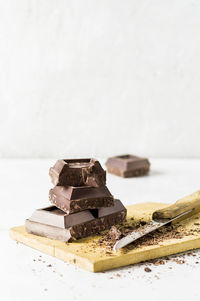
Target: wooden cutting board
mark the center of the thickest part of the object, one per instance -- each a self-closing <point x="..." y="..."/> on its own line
<point x="83" y="253"/>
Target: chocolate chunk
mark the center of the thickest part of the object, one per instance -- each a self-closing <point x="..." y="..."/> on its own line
<point x="53" y="223"/>
<point x="128" y="166"/>
<point x="74" y="199"/>
<point x="78" y="172"/>
<point x="148" y="270"/>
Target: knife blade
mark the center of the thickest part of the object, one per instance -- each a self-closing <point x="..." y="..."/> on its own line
<point x="182" y="209"/>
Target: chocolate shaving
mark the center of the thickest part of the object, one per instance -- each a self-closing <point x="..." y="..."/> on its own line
<point x="114" y="233"/>
<point x="153" y="238"/>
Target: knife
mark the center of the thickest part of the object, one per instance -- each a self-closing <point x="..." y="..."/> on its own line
<point x="182" y="209"/>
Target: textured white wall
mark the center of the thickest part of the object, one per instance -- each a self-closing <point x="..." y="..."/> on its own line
<point x="81" y="78"/>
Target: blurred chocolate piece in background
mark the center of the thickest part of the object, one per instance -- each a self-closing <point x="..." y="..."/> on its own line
<point x="128" y="166"/>
<point x="78" y="172"/>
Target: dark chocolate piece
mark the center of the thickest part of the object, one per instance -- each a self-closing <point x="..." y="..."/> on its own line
<point x="74" y="199"/>
<point x="78" y="172"/>
<point x="128" y="166"/>
<point x="55" y="217"/>
<point x="54" y="223"/>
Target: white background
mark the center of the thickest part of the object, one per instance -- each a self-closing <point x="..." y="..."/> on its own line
<point x="99" y="78"/>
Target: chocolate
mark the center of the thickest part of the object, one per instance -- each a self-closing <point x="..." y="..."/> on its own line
<point x="78" y="172"/>
<point x="74" y="199"/>
<point x="114" y="234"/>
<point x="55" y="217"/>
<point x="128" y="166"/>
<point x="54" y="223"/>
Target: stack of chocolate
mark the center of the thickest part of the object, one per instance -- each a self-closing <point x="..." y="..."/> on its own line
<point x="82" y="204"/>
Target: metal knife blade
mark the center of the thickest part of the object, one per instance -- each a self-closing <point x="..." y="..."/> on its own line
<point x="142" y="231"/>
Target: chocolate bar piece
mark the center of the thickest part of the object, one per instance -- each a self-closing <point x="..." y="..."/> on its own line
<point x="74" y="199"/>
<point x="128" y="166"/>
<point x="53" y="223"/>
<point x="78" y="172"/>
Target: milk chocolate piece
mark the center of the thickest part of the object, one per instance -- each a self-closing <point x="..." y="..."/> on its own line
<point x="74" y="199"/>
<point x="78" y="172"/>
<point x="54" y="223"/>
<point x="128" y="166"/>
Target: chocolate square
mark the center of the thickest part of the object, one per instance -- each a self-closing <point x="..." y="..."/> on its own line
<point x="78" y="172"/>
<point x="74" y="199"/>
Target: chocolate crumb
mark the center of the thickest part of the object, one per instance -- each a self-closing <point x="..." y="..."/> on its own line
<point x="159" y="262"/>
<point x="178" y="261"/>
<point x="153" y="238"/>
<point x="148" y="270"/>
<point x="114" y="233"/>
<point x="49" y="265"/>
<point x="118" y="275"/>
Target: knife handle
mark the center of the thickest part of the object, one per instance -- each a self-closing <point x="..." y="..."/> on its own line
<point x="190" y="202"/>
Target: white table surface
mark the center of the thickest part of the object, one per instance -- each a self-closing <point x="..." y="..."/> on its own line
<point x="24" y="272"/>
